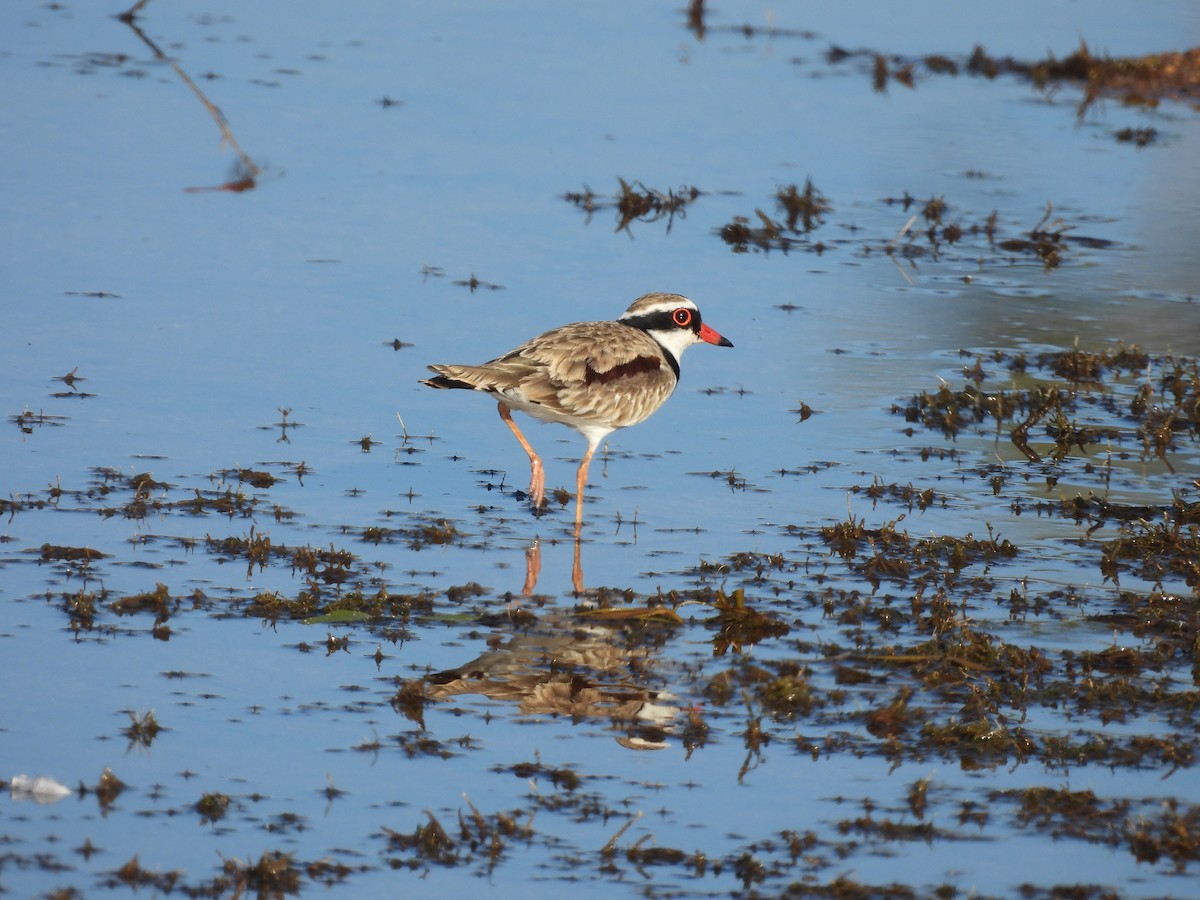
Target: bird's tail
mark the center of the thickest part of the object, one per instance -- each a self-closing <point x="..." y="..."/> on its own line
<point x="443" y="381"/>
<point x="478" y="378"/>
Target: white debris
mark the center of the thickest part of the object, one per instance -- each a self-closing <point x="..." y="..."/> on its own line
<point x="40" y="789"/>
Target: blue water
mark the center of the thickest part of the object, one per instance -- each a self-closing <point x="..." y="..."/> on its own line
<point x="196" y="314"/>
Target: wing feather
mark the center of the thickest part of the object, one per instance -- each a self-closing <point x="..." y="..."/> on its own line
<point x="590" y="371"/>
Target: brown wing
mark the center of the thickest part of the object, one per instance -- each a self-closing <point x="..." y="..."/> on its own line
<point x="598" y="371"/>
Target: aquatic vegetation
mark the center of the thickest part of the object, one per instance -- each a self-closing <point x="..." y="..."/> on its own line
<point x="873" y="636"/>
<point x="1081" y="400"/>
<point x="634" y="202"/>
<point x="986" y="640"/>
<point x="213" y="807"/>
<point x="142" y="730"/>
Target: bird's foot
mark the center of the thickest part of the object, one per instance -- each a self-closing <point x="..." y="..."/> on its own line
<point x="537" y="486"/>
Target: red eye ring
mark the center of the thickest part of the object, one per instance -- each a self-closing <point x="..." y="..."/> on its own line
<point x="682" y="317"/>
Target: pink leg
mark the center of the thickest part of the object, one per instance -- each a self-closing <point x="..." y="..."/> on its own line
<point x="577" y="565"/>
<point x="533" y="567"/>
<point x="537" y="478"/>
<point x="580" y="484"/>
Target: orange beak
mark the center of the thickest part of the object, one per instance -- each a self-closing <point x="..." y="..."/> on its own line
<point x="711" y="337"/>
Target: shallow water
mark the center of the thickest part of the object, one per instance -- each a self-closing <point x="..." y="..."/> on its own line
<point x="403" y="153"/>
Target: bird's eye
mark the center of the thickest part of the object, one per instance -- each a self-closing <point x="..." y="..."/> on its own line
<point x="682" y="317"/>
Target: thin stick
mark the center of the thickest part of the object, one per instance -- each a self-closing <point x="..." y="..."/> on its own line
<point x="612" y="842"/>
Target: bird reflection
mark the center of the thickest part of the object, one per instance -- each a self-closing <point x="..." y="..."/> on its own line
<point x="533" y="564"/>
<point x="564" y="665"/>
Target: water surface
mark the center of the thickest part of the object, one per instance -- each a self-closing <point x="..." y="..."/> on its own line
<point x="407" y="204"/>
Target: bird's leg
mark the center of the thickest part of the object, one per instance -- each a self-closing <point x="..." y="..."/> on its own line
<point x="580" y="483"/>
<point x="577" y="564"/>
<point x="533" y="567"/>
<point x="537" y="478"/>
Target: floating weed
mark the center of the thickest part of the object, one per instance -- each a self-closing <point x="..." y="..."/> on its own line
<point x="739" y="625"/>
<point x="634" y="202"/>
<point x="71" y="378"/>
<point x="254" y="478"/>
<point x="27" y="421"/>
<point x="1172" y="832"/>
<point x="274" y="874"/>
<point x="53" y="552"/>
<point x="896" y="718"/>
<point x="1156" y="551"/>
<point x="329" y="871"/>
<point x="743" y="236"/>
<point x="372" y="746"/>
<point x="81" y="608"/>
<point x="416" y="745"/>
<point x="1139" y="137"/>
<point x="255" y="548"/>
<point x="640" y="855"/>
<point x="803" y="210"/>
<point x="962" y="241"/>
<point x="1046" y="240"/>
<point x="212" y="807"/>
<point x="228" y="503"/>
<point x="106" y="789"/>
<point x="1089" y="400"/>
<point x="377" y="535"/>
<point x="334" y="643"/>
<point x="1169" y="830"/>
<point x="272" y="606"/>
<point x="958" y="689"/>
<point x="890" y="830"/>
<point x="918" y="797"/>
<point x="906" y="495"/>
<point x="142" y="730"/>
<point x="321" y="566"/>
<point x="437" y="532"/>
<point x="868" y="637"/>
<point x="790" y="694"/>
<point x="563" y="777"/>
<point x="462" y="593"/>
<point x="474" y="284"/>
<point x="132" y="875"/>
<point x="429" y="843"/>
<point x="409" y="700"/>
<point x="1139" y="80"/>
<point x="339" y="617"/>
<point x="157" y="602"/>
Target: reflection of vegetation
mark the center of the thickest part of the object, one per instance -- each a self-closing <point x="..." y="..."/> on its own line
<point x="1045" y="243"/>
<point x="741" y="625"/>
<point x="635" y="202"/>
<point x="1171" y="831"/>
<point x="863" y="636"/>
<point x="850" y="638"/>
<point x="142" y="730"/>
<point x="1142" y="80"/>
<point x="212" y="807"/>
<point x="803" y="211"/>
<point x="245" y="172"/>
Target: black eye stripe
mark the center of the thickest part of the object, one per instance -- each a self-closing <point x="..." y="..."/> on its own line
<point x="663" y="321"/>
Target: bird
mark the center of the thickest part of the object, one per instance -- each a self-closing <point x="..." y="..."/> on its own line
<point x="594" y="377"/>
